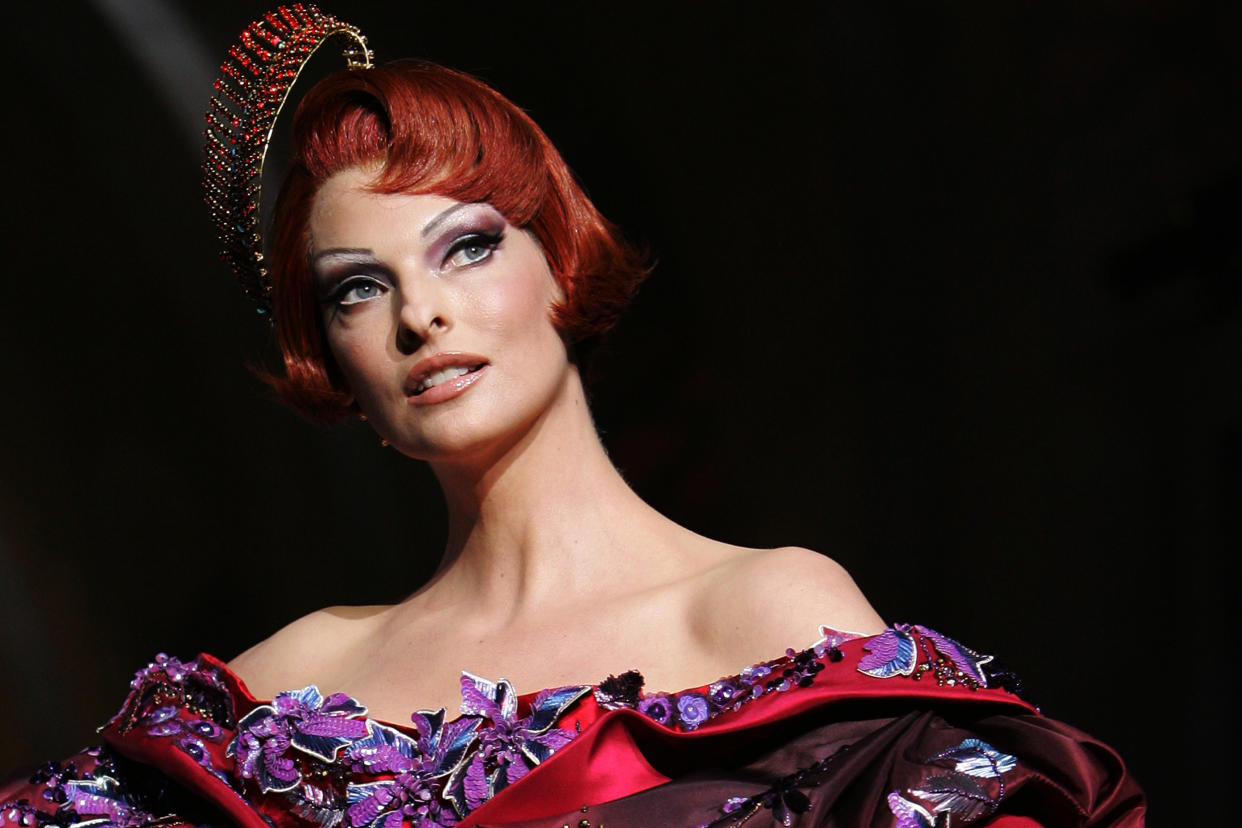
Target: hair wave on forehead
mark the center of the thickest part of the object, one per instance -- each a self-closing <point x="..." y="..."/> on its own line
<point x="429" y="129"/>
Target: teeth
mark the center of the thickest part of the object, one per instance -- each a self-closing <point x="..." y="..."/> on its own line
<point x="432" y="380"/>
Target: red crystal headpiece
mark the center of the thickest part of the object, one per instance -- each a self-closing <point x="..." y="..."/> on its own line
<point x="252" y="88"/>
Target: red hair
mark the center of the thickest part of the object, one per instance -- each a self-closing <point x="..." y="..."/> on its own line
<point x="434" y="130"/>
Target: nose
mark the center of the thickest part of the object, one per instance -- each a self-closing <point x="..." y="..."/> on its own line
<point x="421" y="316"/>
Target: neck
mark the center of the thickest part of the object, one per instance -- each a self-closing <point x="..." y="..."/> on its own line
<point x="540" y="520"/>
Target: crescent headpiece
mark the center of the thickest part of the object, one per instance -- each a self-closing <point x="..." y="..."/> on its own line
<point x="254" y="83"/>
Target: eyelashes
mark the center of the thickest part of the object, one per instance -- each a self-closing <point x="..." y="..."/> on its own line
<point x="360" y="282"/>
<point x="355" y="290"/>
<point x="472" y="248"/>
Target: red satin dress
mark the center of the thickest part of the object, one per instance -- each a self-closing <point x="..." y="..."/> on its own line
<point x="906" y="729"/>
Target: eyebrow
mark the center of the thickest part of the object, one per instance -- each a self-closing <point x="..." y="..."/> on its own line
<point x="357" y="254"/>
<point x="430" y="226"/>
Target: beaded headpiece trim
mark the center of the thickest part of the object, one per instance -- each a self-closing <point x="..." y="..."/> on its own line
<point x="250" y="93"/>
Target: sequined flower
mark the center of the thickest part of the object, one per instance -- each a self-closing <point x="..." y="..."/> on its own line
<point x="302" y="719"/>
<point x="195" y="749"/>
<point x="168" y="680"/>
<point x="421" y="765"/>
<point x="755" y="672"/>
<point x="657" y="707"/>
<point x="162" y="721"/>
<point x="164" y="669"/>
<point x="205" y="729"/>
<point x="509" y="747"/>
<point x="692" y="710"/>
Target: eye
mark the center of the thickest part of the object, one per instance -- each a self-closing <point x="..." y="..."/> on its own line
<point x="472" y="249"/>
<point x="357" y="290"/>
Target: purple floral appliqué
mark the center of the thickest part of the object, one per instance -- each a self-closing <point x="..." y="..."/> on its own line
<point x="302" y="719"/>
<point x="657" y="707"/>
<point x="169" y="681"/>
<point x="510" y="746"/>
<point x="895" y="652"/>
<point x="891" y="653"/>
<point x="421" y="767"/>
<point x="165" y="669"/>
<point x="86" y="795"/>
<point x="162" y="721"/>
<point x="692" y="710"/>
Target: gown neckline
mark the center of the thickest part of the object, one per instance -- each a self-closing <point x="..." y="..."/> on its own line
<point x="829" y="637"/>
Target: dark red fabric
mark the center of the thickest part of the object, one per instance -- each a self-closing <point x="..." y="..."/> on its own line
<point x="1063" y="777"/>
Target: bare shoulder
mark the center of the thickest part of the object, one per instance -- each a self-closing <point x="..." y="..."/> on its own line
<point x="765" y="600"/>
<point x="307" y="651"/>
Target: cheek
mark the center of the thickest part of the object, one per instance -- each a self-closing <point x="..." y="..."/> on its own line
<point x="358" y="359"/>
<point x="515" y="306"/>
<point x="522" y="304"/>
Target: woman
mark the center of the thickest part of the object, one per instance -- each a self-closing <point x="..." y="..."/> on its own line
<point x="437" y="271"/>
<point x="550" y="553"/>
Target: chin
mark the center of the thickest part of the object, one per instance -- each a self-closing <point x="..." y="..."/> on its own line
<point x="481" y="426"/>
<point x="455" y="440"/>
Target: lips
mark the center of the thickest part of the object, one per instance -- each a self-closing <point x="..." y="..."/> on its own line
<point x="442" y="376"/>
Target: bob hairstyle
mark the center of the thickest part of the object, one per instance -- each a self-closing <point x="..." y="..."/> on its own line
<point x="429" y="129"/>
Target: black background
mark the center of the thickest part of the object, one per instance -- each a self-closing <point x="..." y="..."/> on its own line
<point x="949" y="292"/>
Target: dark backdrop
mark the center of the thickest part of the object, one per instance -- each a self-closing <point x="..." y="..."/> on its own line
<point x="950" y="293"/>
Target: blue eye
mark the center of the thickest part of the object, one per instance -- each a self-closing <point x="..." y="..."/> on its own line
<point x="472" y="249"/>
<point x="357" y="290"/>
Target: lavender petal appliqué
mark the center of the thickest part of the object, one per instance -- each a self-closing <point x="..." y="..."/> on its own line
<point x="510" y="746"/>
<point x="692" y="710"/>
<point x="301" y="719"/>
<point x="424" y="768"/>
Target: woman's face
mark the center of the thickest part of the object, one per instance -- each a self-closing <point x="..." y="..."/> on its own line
<point x="437" y="313"/>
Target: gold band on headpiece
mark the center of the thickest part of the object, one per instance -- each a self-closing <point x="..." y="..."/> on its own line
<point x="253" y="86"/>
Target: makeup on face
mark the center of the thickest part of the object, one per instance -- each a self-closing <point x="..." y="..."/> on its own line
<point x="453" y="230"/>
<point x="464" y="235"/>
<point x="437" y="314"/>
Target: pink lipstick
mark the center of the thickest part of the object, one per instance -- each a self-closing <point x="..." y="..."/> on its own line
<point x="442" y="377"/>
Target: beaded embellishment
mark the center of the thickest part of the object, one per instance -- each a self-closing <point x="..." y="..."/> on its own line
<point x="250" y="93"/>
<point x="689" y="709"/>
<point x="338" y="768"/>
<point x="897" y="652"/>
